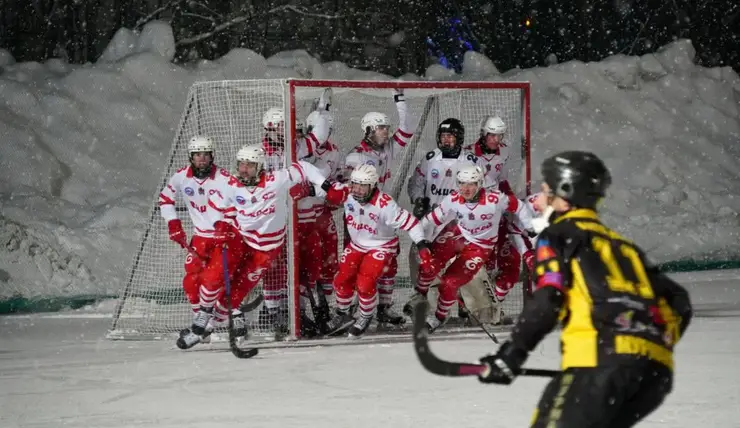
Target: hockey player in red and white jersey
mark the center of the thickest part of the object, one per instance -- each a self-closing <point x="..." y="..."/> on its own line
<point x="517" y="248"/>
<point x="378" y="147"/>
<point x="273" y="122"/>
<point x="306" y="143"/>
<point x="478" y="213"/>
<point x="372" y="218"/>
<point x="435" y="177"/>
<point x="504" y="265"/>
<point x="328" y="158"/>
<point x="493" y="153"/>
<point x="196" y="182"/>
<point x="381" y="149"/>
<point x="259" y="200"/>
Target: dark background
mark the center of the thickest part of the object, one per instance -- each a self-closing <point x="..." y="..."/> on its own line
<point x="513" y="33"/>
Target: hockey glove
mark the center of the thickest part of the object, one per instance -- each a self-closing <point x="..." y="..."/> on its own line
<point x="176" y="233"/>
<point x="529" y="260"/>
<point x="425" y="256"/>
<point x="222" y="232"/>
<point x="505" y="365"/>
<point x="421" y="207"/>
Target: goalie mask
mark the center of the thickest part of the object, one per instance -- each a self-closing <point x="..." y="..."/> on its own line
<point x="377" y="129"/>
<point x="450" y="137"/>
<point x="363" y="180"/>
<point x="200" y="150"/>
<point x="492" y="132"/>
<point x="249" y="164"/>
<point x="470" y="182"/>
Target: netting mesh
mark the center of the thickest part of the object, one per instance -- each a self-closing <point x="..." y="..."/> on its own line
<point x="153" y="304"/>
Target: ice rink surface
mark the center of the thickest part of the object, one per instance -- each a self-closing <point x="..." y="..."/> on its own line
<point x="58" y="370"/>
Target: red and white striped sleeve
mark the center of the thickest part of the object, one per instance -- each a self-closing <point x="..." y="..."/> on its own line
<point x="398" y="218"/>
<point x="168" y="196"/>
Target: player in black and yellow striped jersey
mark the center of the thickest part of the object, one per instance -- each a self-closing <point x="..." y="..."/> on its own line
<point x="620" y="316"/>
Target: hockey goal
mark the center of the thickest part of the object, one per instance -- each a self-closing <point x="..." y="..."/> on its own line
<point x="152" y="303"/>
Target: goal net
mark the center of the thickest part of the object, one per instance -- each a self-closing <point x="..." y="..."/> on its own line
<point x="152" y="303"/>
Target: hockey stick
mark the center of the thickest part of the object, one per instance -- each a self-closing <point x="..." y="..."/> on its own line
<point x="236" y="350"/>
<point x="250" y="306"/>
<point x="482" y="327"/>
<point x="441" y="367"/>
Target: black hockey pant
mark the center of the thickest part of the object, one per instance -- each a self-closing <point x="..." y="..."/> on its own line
<point x="603" y="397"/>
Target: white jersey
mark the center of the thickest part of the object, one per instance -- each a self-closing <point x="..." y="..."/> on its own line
<point x="478" y="221"/>
<point x="197" y="192"/>
<point x="494" y="166"/>
<point x="435" y="176"/>
<point x="305" y="147"/>
<point x="373" y="225"/>
<point x="329" y="154"/>
<point x="261" y="210"/>
<point x="310" y="207"/>
<point x="388" y="153"/>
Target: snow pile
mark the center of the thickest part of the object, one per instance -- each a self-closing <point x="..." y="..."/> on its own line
<point x="84" y="148"/>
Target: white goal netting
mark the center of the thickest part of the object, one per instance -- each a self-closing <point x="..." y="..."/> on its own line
<point x="152" y="303"/>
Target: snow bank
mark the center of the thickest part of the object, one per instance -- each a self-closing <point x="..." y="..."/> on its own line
<point x="83" y="148"/>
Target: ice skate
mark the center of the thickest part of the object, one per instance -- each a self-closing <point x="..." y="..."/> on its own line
<point x="416" y="298"/>
<point x="433" y="323"/>
<point x="386" y="315"/>
<point x="360" y="326"/>
<point x="198" y="331"/>
<point x="339" y="322"/>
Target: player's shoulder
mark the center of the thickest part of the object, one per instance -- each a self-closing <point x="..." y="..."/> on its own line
<point x="182" y="172"/>
<point x="222" y="173"/>
<point x="454" y="196"/>
<point x="432" y="154"/>
<point x="469" y="156"/>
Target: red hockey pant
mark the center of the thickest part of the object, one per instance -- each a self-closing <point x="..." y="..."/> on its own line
<point x="212" y="279"/>
<point x="309" y="254"/>
<point x="470" y="258"/>
<point x="361" y="270"/>
<point x="327" y="230"/>
<point x="507" y="257"/>
<point x="194" y="266"/>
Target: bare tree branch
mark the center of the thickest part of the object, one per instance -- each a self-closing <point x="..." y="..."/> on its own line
<point x="198" y="16"/>
<point x="142" y="21"/>
<point x="244" y="18"/>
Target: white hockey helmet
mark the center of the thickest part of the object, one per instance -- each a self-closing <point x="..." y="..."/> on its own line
<point x="273" y="117"/>
<point x="492" y="125"/>
<point x="364" y="174"/>
<point x="372" y="120"/>
<point x="200" y="144"/>
<point x="254" y="153"/>
<point x="470" y="174"/>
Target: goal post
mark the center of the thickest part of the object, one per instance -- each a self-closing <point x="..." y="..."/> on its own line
<point x="152" y="303"/>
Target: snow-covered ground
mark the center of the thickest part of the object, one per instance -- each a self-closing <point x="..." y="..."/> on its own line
<point x="58" y="370"/>
<point x="83" y="148"/>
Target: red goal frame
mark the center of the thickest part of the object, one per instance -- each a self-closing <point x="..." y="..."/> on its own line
<point x="525" y="87"/>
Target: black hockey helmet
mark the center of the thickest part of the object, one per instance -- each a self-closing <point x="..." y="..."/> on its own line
<point x="454" y="127"/>
<point x="581" y="178"/>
